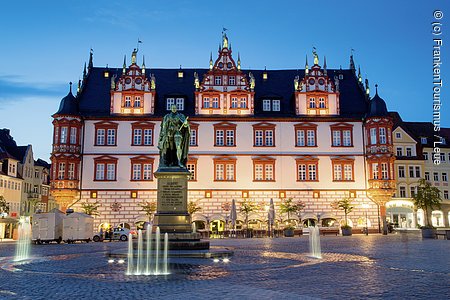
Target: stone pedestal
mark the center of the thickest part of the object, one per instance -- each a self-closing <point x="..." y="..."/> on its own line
<point x="171" y="210"/>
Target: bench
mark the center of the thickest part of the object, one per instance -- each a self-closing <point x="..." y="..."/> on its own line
<point x="324" y="231"/>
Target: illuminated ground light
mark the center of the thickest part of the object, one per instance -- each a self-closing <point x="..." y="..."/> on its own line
<point x="120" y="261"/>
<point x="216" y="260"/>
<point x="110" y="261"/>
<point x="226" y="260"/>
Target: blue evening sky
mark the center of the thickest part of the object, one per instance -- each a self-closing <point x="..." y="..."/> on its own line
<point x="44" y="45"/>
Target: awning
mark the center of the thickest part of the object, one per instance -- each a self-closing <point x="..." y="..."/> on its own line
<point x="198" y="217"/>
<point x="307" y="216"/>
<point x="328" y="216"/>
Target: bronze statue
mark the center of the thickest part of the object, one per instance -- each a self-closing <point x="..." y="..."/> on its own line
<point x="174" y="138"/>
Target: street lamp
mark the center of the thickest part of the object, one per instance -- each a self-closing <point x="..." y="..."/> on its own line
<point x="366" y="208"/>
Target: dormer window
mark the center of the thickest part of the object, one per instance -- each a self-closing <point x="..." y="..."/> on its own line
<point x="266" y="105"/>
<point x="180" y="74"/>
<point x="169" y="103"/>
<point x="215" y="103"/>
<point x="180" y="103"/>
<point x="232" y="80"/>
<point x="205" y="102"/>
<point x="423" y="140"/>
<point x="443" y="141"/>
<point x="341" y="76"/>
<point x="276" y="105"/>
<point x="106" y="74"/>
<point x="398" y="135"/>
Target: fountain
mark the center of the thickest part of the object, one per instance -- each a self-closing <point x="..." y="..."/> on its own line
<point x="145" y="264"/>
<point x="23" y="245"/>
<point x="314" y="242"/>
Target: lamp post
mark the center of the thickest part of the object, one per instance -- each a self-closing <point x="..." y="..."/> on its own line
<point x="366" y="207"/>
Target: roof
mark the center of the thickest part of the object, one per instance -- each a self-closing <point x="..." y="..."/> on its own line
<point x="42" y="163"/>
<point x="68" y="105"/>
<point x="94" y="99"/>
<point x="377" y="107"/>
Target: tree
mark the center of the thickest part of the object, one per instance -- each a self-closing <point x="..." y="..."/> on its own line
<point x="288" y="207"/>
<point x="247" y="207"/>
<point x="149" y="208"/>
<point x="91" y="208"/>
<point x="345" y="205"/>
<point x="427" y="197"/>
<point x="193" y="207"/>
<point x="4" y="207"/>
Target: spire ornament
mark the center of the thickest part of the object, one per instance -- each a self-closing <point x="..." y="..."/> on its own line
<point x="316" y="57"/>
<point x="124" y="70"/>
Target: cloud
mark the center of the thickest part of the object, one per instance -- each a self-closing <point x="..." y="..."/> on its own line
<point x="15" y="88"/>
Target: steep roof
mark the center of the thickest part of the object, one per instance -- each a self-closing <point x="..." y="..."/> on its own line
<point x="68" y="105"/>
<point x="377" y="107"/>
<point x="94" y="100"/>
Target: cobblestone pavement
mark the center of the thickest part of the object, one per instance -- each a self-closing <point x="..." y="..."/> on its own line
<point x="401" y="266"/>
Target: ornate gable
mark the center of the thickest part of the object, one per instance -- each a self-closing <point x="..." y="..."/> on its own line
<point x="224" y="89"/>
<point x="316" y="93"/>
<point x="132" y="93"/>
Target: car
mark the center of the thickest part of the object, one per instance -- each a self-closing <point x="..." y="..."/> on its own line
<point x="118" y="234"/>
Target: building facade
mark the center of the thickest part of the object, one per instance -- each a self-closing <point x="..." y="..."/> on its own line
<point x="313" y="135"/>
<point x="24" y="182"/>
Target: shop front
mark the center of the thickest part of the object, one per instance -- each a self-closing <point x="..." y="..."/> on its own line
<point x="400" y="213"/>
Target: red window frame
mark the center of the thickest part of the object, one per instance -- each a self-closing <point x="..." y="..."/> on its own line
<point x="143" y="126"/>
<point x="264" y="162"/>
<point x="342" y="162"/>
<point x="307" y="161"/>
<point x="305" y="127"/>
<point x="105" y="160"/>
<point x="341" y="127"/>
<point x="264" y="127"/>
<point x="141" y="160"/>
<point x="224" y="126"/>
<point x="106" y="126"/>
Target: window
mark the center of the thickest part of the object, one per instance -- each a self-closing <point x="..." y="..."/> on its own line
<point x="232" y="80"/>
<point x="141" y="171"/>
<point x="192" y="167"/>
<point x="425" y="155"/>
<point x="218" y="80"/>
<point x="417" y="168"/>
<point x="408" y="151"/>
<point x="263" y="170"/>
<point x="276" y="105"/>
<point x="179" y="103"/>
<point x="336" y="138"/>
<point x="234" y="102"/>
<point x="375" y="171"/>
<point x="384" y="171"/>
<point x="373" y="136"/>
<point x="137" y="101"/>
<point x="444" y="177"/>
<point x="106" y="133"/>
<point x="219" y="138"/>
<point x="341" y="135"/>
<point x="100" y="137"/>
<point x="266" y="105"/>
<point x="423" y="140"/>
<point x="401" y="171"/>
<point x="263" y="134"/>
<point x="399" y="151"/>
<point x="402" y="192"/>
<point x="111" y="137"/>
<point x="225" y="134"/>
<point x="342" y="169"/>
<point x="127" y="101"/>
<point x="312" y="103"/>
<point x="446" y="195"/>
<point x="71" y="171"/>
<point x="61" y="170"/>
<point x="63" y="135"/>
<point x="73" y="135"/>
<point x="215" y="103"/>
<point x="56" y="137"/>
<point x="243" y="103"/>
<point x="142" y="133"/>
<point x="398" y="135"/>
<point x="321" y="102"/>
<point x="305" y="135"/>
<point x="382" y="135"/>
<point x="170" y="102"/>
<point x="307" y="170"/>
<point x="442" y="157"/>
<point x="427" y="176"/>
<point x="205" y="102"/>
<point x="105" y="168"/>
<point x="225" y="169"/>
<point x="436" y="176"/>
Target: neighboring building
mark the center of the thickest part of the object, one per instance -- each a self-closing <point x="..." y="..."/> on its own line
<point x="27" y="181"/>
<point x="312" y="134"/>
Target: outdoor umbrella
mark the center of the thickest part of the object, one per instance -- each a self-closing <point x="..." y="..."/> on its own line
<point x="233" y="214"/>
<point x="271" y="215"/>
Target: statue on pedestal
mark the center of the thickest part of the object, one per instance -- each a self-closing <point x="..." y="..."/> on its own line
<point x="173" y="141"/>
